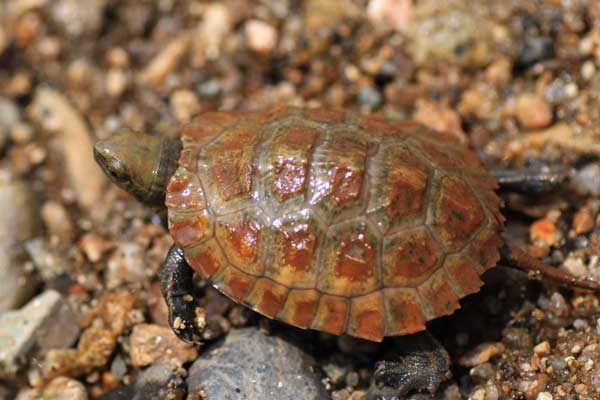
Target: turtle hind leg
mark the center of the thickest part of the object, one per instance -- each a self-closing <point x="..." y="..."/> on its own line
<point x="421" y="363"/>
<point x="177" y="287"/>
<point x="539" y="179"/>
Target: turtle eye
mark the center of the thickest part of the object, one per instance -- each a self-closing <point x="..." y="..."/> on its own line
<point x="118" y="171"/>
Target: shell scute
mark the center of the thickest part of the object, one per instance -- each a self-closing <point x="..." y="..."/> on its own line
<point x="207" y="258"/>
<point x="403" y="311"/>
<point x="234" y="283"/>
<point x="464" y="273"/>
<point x="350" y="260"/>
<point x="331" y="314"/>
<point x="399" y="185"/>
<point x="267" y="297"/>
<point x="300" y="307"/>
<point x="243" y="237"/>
<point x="227" y="167"/>
<point x="294" y="247"/>
<point x="284" y="163"/>
<point x="438" y="295"/>
<point x="458" y="213"/>
<point x="338" y="175"/>
<point x="367" y="317"/>
<point x="410" y="258"/>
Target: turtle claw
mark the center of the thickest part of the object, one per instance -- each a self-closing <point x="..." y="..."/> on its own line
<point x="422" y="366"/>
<point x="186" y="318"/>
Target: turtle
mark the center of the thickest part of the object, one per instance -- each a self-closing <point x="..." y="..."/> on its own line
<point x="322" y="219"/>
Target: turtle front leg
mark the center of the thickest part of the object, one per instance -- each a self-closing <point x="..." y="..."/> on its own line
<point x="176" y="285"/>
<point x="422" y="363"/>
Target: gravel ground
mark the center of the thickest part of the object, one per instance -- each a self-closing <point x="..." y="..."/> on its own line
<point x="81" y="315"/>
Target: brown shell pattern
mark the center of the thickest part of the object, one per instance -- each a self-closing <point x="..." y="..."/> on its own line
<point x="333" y="222"/>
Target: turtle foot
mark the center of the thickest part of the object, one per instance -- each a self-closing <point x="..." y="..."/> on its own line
<point x="422" y="363"/>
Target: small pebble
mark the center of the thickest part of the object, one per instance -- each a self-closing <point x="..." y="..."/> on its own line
<point x="481" y="354"/>
<point x="58" y="221"/>
<point x="583" y="221"/>
<point x="95" y="347"/>
<point x="588" y="69"/>
<point x="483" y="372"/>
<point x="544" y="396"/>
<point x="533" y="112"/>
<point x="155" y="344"/>
<point x="587" y="180"/>
<point x="116" y="82"/>
<point x="260" y="36"/>
<point x="542" y="349"/>
<point x="534" y="49"/>
<point x="545" y="230"/>
<point x="184" y="104"/>
<point x="392" y="14"/>
<point x="62" y="388"/>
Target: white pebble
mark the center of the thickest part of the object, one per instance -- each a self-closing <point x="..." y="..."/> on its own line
<point x="544" y="396"/>
<point x="260" y="36"/>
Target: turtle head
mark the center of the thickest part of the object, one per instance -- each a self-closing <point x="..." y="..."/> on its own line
<point x="139" y="163"/>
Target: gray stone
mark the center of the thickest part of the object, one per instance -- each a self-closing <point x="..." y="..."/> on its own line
<point x="48" y="262"/>
<point x="250" y="365"/>
<point x="46" y="322"/>
<point x="19" y="222"/>
<point x="587" y="180"/>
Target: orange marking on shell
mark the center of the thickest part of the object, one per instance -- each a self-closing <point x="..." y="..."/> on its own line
<point x="416" y="256"/>
<point x="244" y="239"/>
<point x="270" y="303"/>
<point x="331" y="315"/>
<point x="290" y="177"/>
<point x="267" y="297"/>
<point x="233" y="176"/>
<point x="366" y="317"/>
<point x="407" y="192"/>
<point x="298" y="137"/>
<point x="356" y="259"/>
<point x="300" y="307"/>
<point x="458" y="213"/>
<point x="205" y="264"/>
<point x="188" y="232"/>
<point x="206" y="258"/>
<point x="345" y="186"/>
<point x="298" y="247"/>
<point x="464" y="273"/>
<point x="235" y="284"/>
<point x="404" y="312"/>
<point x="304" y="313"/>
<point x="439" y="295"/>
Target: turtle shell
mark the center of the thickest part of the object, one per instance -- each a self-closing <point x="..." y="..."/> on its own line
<point x="331" y="221"/>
